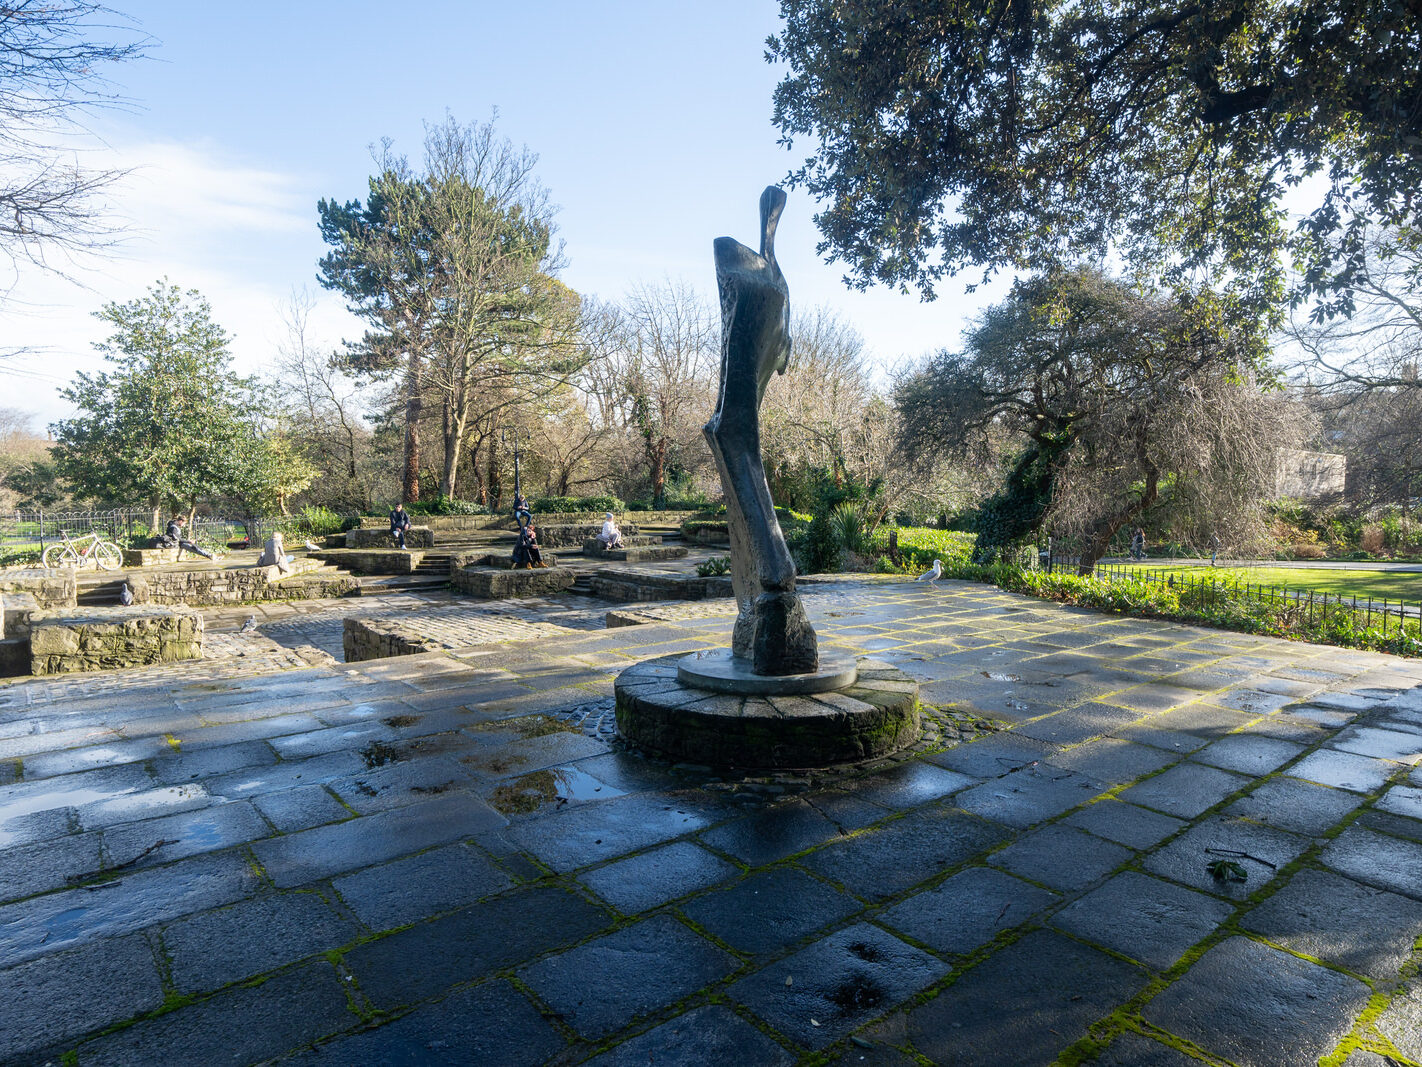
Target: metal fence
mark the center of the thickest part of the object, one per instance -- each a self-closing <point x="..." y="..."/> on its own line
<point x="31" y="531"/>
<point x="1306" y="603"/>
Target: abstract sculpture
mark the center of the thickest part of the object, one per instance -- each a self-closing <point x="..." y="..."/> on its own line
<point x="772" y="632"/>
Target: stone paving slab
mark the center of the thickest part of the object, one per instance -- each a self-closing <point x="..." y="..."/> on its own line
<point x="273" y="857"/>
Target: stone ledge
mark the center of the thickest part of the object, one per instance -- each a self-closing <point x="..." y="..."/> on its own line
<point x="364" y="639"/>
<point x="498" y="583"/>
<point x="636" y="553"/>
<point x="872" y="718"/>
<point x="630" y="585"/>
<point x="415" y="537"/>
<point x="150" y="557"/>
<point x="110" y="638"/>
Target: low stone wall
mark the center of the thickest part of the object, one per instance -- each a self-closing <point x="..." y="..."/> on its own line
<point x="630" y="586"/>
<point x="497" y="583"/>
<point x="593" y="547"/>
<point x="51" y="589"/>
<point x="505" y="520"/>
<point x="149" y="557"/>
<point x="718" y="537"/>
<point x="566" y="535"/>
<point x="415" y="537"/>
<point x="16" y="610"/>
<point x="640" y="554"/>
<point x="205" y="587"/>
<point x="365" y="639"/>
<point x="110" y="638"/>
<point x="371" y="560"/>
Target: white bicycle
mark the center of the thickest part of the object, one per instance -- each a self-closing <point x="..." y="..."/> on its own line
<point x="80" y="551"/>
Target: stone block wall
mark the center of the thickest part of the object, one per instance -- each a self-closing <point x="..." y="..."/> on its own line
<point x="239" y="585"/>
<point x="372" y="560"/>
<point x="632" y="586"/>
<point x="505" y="520"/>
<point x="51" y="589"/>
<point x="110" y="638"/>
<point x="364" y="639"/>
<point x="415" y="537"/>
<point x="149" y="557"/>
<point x="497" y="583"/>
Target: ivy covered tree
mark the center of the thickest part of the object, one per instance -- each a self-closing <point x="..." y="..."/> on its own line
<point x="1115" y="395"/>
<point x="1010" y="134"/>
<point x="169" y="424"/>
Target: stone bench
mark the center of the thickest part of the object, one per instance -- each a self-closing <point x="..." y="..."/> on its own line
<point x="639" y="554"/>
<point x="151" y="557"/>
<point x="415" y="537"/>
<point x="593" y="547"/>
<point x="496" y="582"/>
<point x="110" y="638"/>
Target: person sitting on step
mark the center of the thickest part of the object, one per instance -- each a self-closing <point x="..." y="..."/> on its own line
<point x="527" y="553"/>
<point x="174" y="534"/>
<point x="611" y="536"/>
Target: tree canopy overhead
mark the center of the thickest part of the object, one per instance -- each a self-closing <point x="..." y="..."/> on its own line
<point x="1010" y="134"/>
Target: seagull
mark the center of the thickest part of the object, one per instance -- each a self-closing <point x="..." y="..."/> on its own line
<point x="312" y="546"/>
<point x="126" y="596"/>
<point x="933" y="574"/>
<point x="250" y="624"/>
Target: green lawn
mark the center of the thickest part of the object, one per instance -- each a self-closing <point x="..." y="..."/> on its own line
<point x="1392" y="585"/>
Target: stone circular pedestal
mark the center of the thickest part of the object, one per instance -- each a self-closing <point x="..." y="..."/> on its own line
<point x="721" y="672"/>
<point x="875" y="715"/>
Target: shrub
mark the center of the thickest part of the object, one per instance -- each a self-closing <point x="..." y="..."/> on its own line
<point x="848" y="526"/>
<point x="548" y="504"/>
<point x="1371" y="539"/>
<point x="714" y="566"/>
<point x="318" y="521"/>
<point x="1304" y="550"/>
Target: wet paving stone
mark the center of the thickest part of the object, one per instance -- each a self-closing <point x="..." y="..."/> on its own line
<point x="1401" y="1021"/>
<point x="1248" y="754"/>
<point x="41" y="925"/>
<point x="907" y="785"/>
<point x="1075" y="725"/>
<point x="1133" y="1050"/>
<point x="414" y="964"/>
<point x="709" y="1035"/>
<point x="1259" y="1007"/>
<point x="1344" y="770"/>
<point x="650" y="879"/>
<point x="1030" y="795"/>
<point x="884" y="860"/>
<point x="453" y="1030"/>
<point x="1402" y="746"/>
<point x="1112" y="761"/>
<point x="602" y="985"/>
<point x="1125" y="824"/>
<point x="1185" y="790"/>
<point x="1323" y="915"/>
<point x="45" y="865"/>
<point x="1377" y="860"/>
<point x="993" y="756"/>
<point x="1143" y="918"/>
<point x="296" y="859"/>
<point x="394" y="894"/>
<point x="1291" y="804"/>
<point x="586" y="834"/>
<point x="295" y="1007"/>
<point x="230" y="944"/>
<point x="73" y="993"/>
<point x="837" y="984"/>
<point x="779" y="830"/>
<point x="206" y="830"/>
<point x="1402" y="800"/>
<point x="1259" y="850"/>
<point x="1061" y="857"/>
<point x="300" y="809"/>
<point x="967" y="910"/>
<point x="770" y="910"/>
<point x="1020" y="1006"/>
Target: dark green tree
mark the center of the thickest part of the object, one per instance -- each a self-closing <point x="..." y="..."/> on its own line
<point x="1009" y="134"/>
<point x="1112" y="392"/>
<point x="170" y="424"/>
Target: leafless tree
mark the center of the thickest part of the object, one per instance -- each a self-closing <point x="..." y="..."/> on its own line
<point x="52" y="54"/>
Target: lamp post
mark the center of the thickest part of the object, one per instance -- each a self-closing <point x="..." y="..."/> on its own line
<point x="512" y="432"/>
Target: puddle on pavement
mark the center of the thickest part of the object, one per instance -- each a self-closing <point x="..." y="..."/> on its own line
<point x="557" y="785"/>
<point x="47" y="801"/>
<point x="998" y="677"/>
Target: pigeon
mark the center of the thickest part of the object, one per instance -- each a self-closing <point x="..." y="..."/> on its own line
<point x="126" y="596"/>
<point x="933" y="574"/>
<point x="250" y="624"/>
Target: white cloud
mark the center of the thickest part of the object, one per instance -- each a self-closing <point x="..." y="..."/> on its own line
<point x="244" y="236"/>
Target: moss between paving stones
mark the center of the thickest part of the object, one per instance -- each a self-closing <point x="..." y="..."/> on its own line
<point x="877" y="716"/>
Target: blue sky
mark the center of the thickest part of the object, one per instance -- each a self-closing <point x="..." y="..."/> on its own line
<point x="652" y="121"/>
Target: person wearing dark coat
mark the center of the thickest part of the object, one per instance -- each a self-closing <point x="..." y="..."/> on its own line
<point x="527" y="553"/>
<point x="174" y="533"/>
<point x="399" y="523"/>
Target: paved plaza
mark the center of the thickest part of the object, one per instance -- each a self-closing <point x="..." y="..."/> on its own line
<point x="1121" y="842"/>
